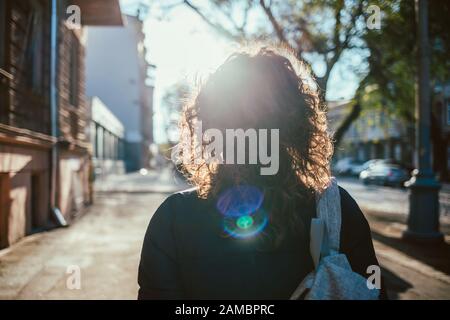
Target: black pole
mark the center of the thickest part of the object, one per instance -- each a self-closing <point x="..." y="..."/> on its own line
<point x="423" y="220"/>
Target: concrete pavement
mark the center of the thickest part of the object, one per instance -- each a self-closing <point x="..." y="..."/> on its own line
<point x="411" y="271"/>
<point x="105" y="244"/>
<point x="165" y="180"/>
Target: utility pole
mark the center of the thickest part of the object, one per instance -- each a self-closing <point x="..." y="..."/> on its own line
<point x="423" y="220"/>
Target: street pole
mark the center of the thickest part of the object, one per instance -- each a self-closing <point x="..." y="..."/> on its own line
<point x="423" y="220"/>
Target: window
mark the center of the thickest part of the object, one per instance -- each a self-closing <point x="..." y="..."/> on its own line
<point x="34" y="47"/>
<point x="74" y="70"/>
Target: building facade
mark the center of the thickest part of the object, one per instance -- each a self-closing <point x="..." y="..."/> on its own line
<point x="374" y="135"/>
<point x="44" y="148"/>
<point x="121" y="80"/>
<point x="107" y="139"/>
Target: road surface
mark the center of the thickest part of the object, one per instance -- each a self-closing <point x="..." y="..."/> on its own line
<point x="388" y="199"/>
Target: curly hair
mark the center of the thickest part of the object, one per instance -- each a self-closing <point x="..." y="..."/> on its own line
<point x="262" y="87"/>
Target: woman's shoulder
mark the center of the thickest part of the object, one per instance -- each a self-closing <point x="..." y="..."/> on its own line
<point x="183" y="200"/>
<point x="351" y="211"/>
<point x="180" y="204"/>
<point x="354" y="225"/>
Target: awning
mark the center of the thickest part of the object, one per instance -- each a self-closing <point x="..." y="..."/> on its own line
<point x="100" y="12"/>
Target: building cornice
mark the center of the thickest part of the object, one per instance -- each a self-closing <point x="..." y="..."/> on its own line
<point x="20" y="136"/>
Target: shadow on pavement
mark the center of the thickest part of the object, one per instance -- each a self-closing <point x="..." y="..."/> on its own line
<point x="435" y="255"/>
<point x="394" y="284"/>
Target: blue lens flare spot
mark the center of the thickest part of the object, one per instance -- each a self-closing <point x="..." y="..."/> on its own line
<point x="241" y="209"/>
<point x="240" y="201"/>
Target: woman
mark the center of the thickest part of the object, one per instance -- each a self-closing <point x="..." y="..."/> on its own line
<point x="241" y="234"/>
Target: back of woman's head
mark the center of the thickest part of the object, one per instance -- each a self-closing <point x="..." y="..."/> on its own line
<point x="262" y="88"/>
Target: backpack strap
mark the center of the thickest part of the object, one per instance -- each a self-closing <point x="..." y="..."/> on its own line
<point x="324" y="233"/>
<point x="328" y="208"/>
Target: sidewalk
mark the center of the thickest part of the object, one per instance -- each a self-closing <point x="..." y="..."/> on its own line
<point x="104" y="244"/>
<point x="165" y="180"/>
<point x="411" y="271"/>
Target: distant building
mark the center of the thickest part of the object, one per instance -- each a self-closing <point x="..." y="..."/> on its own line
<point x="441" y="112"/>
<point x="44" y="148"/>
<point x="378" y="135"/>
<point x="107" y="135"/>
<point x="374" y="135"/>
<point x="118" y="73"/>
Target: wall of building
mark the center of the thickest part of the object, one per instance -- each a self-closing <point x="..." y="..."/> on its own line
<point x="26" y="137"/>
<point x="25" y="189"/>
<point x="24" y="95"/>
<point x="74" y="146"/>
<point x="374" y="135"/>
<point x="25" y="140"/>
<point x="74" y="184"/>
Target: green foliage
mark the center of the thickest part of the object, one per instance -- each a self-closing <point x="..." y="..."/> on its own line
<point x="393" y="55"/>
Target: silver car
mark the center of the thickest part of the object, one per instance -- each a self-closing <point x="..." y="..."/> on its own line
<point x="385" y="174"/>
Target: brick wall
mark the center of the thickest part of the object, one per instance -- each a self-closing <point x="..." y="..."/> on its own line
<point x="72" y="97"/>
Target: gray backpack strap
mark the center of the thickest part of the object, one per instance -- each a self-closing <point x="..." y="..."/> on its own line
<point x="333" y="278"/>
<point x="328" y="207"/>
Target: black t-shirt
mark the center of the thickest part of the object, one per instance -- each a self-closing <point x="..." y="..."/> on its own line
<point x="186" y="254"/>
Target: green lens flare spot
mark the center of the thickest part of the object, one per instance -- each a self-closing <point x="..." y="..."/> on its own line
<point x="244" y="222"/>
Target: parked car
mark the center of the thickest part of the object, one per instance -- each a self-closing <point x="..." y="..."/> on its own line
<point x="346" y="166"/>
<point x="356" y="170"/>
<point x="385" y="174"/>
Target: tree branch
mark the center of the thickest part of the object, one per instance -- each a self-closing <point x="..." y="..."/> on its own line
<point x="340" y="46"/>
<point x="351" y="117"/>
<point x="276" y="26"/>
<point x="213" y="25"/>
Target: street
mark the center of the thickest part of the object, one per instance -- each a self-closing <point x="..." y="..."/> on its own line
<point x="390" y="200"/>
<point x="105" y="244"/>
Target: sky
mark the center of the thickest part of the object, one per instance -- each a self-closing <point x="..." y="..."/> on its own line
<point x="183" y="47"/>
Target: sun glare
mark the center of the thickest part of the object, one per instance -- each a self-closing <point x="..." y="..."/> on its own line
<point x="184" y="49"/>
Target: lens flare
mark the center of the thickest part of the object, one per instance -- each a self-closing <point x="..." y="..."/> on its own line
<point x="244" y="222"/>
<point x="243" y="216"/>
<point x="246" y="226"/>
<point x="240" y="201"/>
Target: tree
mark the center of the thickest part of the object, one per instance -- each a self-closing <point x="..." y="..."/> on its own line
<point x="393" y="62"/>
<point x="393" y="53"/>
<point x="317" y="30"/>
<point x="323" y="31"/>
<point x="320" y="31"/>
